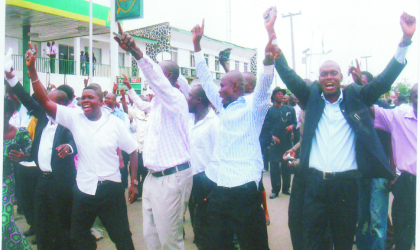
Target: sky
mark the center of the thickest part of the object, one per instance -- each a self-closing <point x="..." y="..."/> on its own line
<point x="349" y="29"/>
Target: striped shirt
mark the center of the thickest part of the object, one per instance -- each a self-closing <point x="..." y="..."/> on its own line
<point x="166" y="142"/>
<point x="237" y="155"/>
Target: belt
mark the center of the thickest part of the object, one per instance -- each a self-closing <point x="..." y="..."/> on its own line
<point x="409" y="176"/>
<point x="350" y="174"/>
<point x="47" y="174"/>
<point x="101" y="183"/>
<point x="244" y="186"/>
<point x="172" y="170"/>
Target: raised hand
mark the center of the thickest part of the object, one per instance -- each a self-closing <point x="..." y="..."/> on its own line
<point x="86" y="81"/>
<point x="122" y="91"/>
<point x="126" y="82"/>
<point x="408" y="26"/>
<point x="270" y="24"/>
<point x="197" y="33"/>
<point x="126" y="42"/>
<point x="356" y="73"/>
<point x="115" y="88"/>
<point x="30" y="56"/>
<point x="272" y="51"/>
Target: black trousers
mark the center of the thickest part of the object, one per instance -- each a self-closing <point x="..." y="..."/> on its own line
<point x="404" y="211"/>
<point x="266" y="160"/>
<point x="52" y="63"/>
<point x="296" y="205"/>
<point x="296" y="132"/>
<point x="53" y="203"/>
<point x="124" y="170"/>
<point x="329" y="203"/>
<point x="278" y="171"/>
<point x="28" y="177"/>
<point x="109" y="205"/>
<point x="141" y="172"/>
<point x="202" y="186"/>
<point x="237" y="210"/>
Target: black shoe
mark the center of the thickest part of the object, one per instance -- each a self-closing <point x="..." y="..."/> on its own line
<point x="30" y="232"/>
<point x="286" y="193"/>
<point x="273" y="195"/>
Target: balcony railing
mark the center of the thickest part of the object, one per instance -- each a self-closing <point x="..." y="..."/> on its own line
<point x="192" y="73"/>
<point x="47" y="65"/>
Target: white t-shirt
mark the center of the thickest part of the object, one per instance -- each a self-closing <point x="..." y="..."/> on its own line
<point x="97" y="143"/>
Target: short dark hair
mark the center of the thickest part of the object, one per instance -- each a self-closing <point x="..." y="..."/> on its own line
<point x="202" y="94"/>
<point x="9" y="106"/>
<point x="68" y="90"/>
<point x="368" y="75"/>
<point x="97" y="88"/>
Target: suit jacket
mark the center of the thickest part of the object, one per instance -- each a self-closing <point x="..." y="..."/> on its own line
<point x="64" y="171"/>
<point x="370" y="157"/>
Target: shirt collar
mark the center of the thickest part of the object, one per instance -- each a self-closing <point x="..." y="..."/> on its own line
<point x="339" y="100"/>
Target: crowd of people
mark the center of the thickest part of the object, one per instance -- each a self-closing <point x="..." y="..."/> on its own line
<point x="206" y="147"/>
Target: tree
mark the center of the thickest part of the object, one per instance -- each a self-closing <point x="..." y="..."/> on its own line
<point x="401" y="88"/>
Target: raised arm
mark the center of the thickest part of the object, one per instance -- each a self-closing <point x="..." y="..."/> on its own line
<point x="16" y="88"/>
<point x="293" y="82"/>
<point x="142" y="105"/>
<point x="224" y="58"/>
<point x="172" y="99"/>
<point x="383" y="82"/>
<point x="123" y="101"/>
<point x="41" y="95"/>
<point x="261" y="98"/>
<point x="203" y="72"/>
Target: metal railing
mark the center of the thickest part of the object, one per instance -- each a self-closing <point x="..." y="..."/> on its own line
<point x="47" y="65"/>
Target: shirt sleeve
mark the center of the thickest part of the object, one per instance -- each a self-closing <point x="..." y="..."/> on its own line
<point x="142" y="105"/>
<point x="125" y="141"/>
<point x="262" y="93"/>
<point x="384" y="118"/>
<point x="66" y="116"/>
<point x="211" y="89"/>
<point x="171" y="98"/>
<point x="400" y="54"/>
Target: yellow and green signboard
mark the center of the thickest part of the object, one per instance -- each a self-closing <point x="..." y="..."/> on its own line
<point x="128" y="9"/>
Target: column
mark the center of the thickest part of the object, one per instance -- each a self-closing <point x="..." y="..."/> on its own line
<point x="25" y="39"/>
<point x="113" y="56"/>
<point x="76" y="45"/>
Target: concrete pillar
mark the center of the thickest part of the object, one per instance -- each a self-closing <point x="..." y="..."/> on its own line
<point x="76" y="45"/>
<point x="25" y="39"/>
<point x="113" y="45"/>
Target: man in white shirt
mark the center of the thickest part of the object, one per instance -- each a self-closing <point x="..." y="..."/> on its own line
<point x="235" y="203"/>
<point x="203" y="136"/>
<point x="53" y="55"/>
<point x="166" y="153"/>
<point x="99" y="191"/>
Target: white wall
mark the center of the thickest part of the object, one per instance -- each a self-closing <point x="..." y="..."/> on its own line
<point x="13" y="43"/>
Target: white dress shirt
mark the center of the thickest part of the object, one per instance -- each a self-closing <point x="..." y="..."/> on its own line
<point x="53" y="50"/>
<point x="139" y="125"/>
<point x="334" y="145"/>
<point x="237" y="156"/>
<point x="97" y="143"/>
<point x="45" y="146"/>
<point x="298" y="110"/>
<point x="203" y="138"/>
<point x="166" y="144"/>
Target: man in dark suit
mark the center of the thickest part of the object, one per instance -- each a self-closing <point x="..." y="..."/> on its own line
<point x="53" y="151"/>
<point x="278" y="126"/>
<point x="339" y="142"/>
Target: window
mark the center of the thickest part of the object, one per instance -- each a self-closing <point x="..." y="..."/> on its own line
<point x="245" y="67"/>
<point x="121" y="59"/>
<point x="216" y="64"/>
<point x="174" y="54"/>
<point x="192" y="59"/>
<point x="236" y="65"/>
<point x="207" y="59"/>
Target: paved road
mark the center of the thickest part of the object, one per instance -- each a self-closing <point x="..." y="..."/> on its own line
<point x="278" y="231"/>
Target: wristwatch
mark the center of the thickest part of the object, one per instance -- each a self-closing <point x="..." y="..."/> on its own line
<point x="135" y="182"/>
